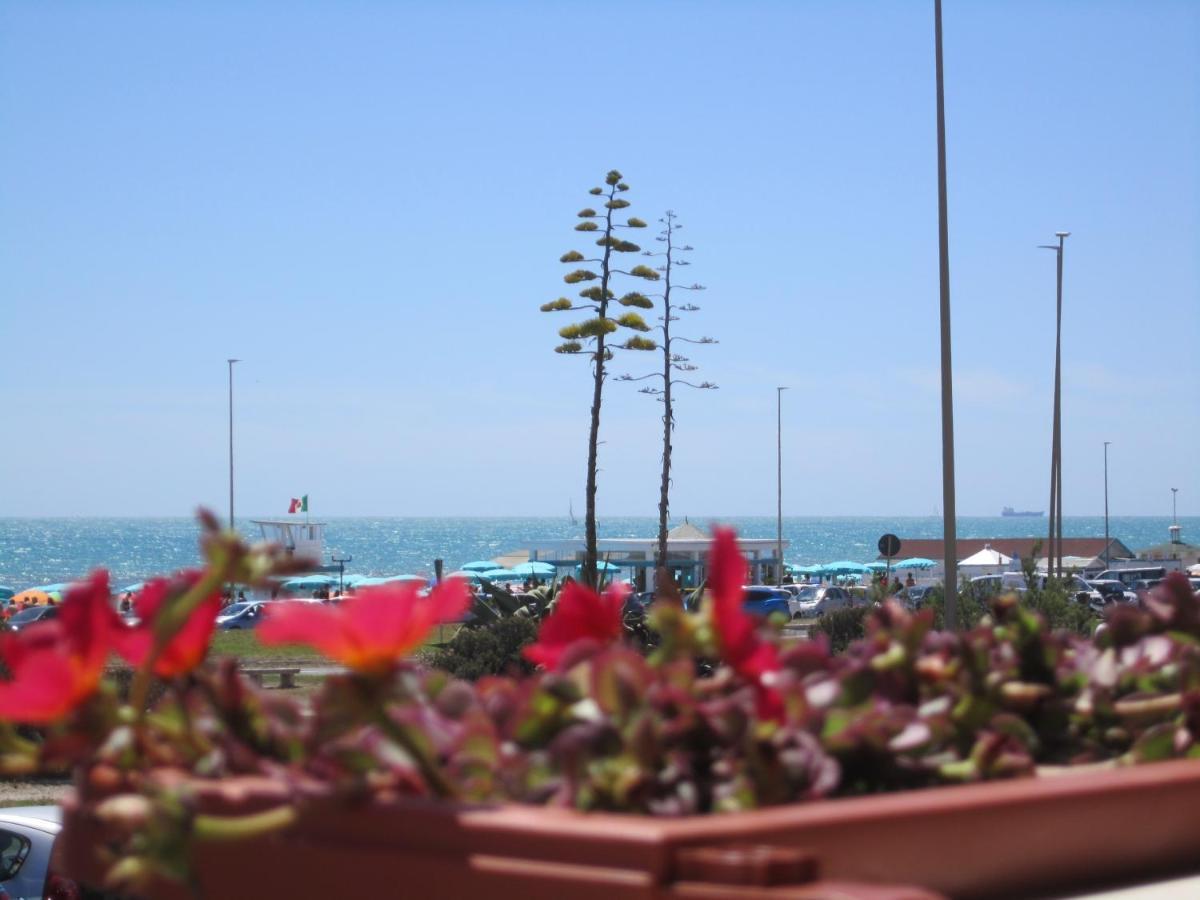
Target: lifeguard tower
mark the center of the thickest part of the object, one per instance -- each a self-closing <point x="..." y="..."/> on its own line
<point x="301" y="539"/>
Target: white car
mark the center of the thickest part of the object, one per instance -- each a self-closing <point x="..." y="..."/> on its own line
<point x="814" y="600"/>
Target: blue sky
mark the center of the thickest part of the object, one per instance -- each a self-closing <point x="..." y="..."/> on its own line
<point x="366" y="202"/>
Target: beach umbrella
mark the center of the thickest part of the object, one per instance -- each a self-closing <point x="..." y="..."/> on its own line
<point x="58" y="588"/>
<point x="502" y="575"/>
<point x="32" y="595"/>
<point x="876" y="566"/>
<point x="915" y="562"/>
<point x="6" y="592"/>
<point x="310" y="582"/>
<point x="601" y="566"/>
<point x="469" y="576"/>
<point x="535" y="567"/>
<point x="844" y="567"/>
<point x="480" y="565"/>
<point x="132" y="588"/>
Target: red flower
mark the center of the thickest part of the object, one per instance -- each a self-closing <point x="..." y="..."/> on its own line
<point x="56" y="665"/>
<point x="579" y="615"/>
<point x="371" y="632"/>
<point x="737" y="631"/>
<point x="188" y="646"/>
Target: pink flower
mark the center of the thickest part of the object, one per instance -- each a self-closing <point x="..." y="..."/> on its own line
<point x="56" y="665"/>
<point x="371" y="632"/>
<point x="579" y="616"/>
<point x="188" y="646"/>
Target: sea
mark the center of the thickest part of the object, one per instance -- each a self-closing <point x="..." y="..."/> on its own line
<point x="45" y="551"/>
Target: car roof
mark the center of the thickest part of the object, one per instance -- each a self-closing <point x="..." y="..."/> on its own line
<point x="43" y="818"/>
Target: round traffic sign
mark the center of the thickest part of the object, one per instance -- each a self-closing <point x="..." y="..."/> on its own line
<point x="889" y="546"/>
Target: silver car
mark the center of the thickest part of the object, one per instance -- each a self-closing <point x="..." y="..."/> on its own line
<point x="814" y="600"/>
<point x="27" y="835"/>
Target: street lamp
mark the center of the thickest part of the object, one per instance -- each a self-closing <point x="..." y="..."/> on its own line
<point x="1106" y="443"/>
<point x="949" y="521"/>
<point x="1055" y="558"/>
<point x="231" y="362"/>
<point x="1174" y="517"/>
<point x="779" y="484"/>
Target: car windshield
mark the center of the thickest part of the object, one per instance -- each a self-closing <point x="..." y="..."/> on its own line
<point x="32" y="614"/>
<point x="808" y="593"/>
<point x="234" y="608"/>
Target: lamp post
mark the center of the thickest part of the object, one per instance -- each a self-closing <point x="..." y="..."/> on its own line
<point x="779" y="484"/>
<point x="1174" y="517"/>
<point x="1054" y="561"/>
<point x="949" y="522"/>
<point x="1106" y="443"/>
<point x="231" y="362"/>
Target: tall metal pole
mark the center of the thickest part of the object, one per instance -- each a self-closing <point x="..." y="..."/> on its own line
<point x="1058" y="519"/>
<point x="779" y="484"/>
<point x="231" y="362"/>
<point x="1106" y="443"/>
<point x="950" y="538"/>
<point x="1054" y="564"/>
<point x="1174" y="517"/>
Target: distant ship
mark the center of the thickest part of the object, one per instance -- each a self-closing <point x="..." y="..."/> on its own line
<point x="1008" y="512"/>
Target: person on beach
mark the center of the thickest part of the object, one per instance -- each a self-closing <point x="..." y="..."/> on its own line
<point x="910" y="581"/>
<point x="897" y="587"/>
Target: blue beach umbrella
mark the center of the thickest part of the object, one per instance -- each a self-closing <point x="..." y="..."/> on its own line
<point x="915" y="562"/>
<point x="876" y="566"/>
<point x="534" y="567"/>
<point x="6" y="593"/>
<point x="310" y="582"/>
<point x="601" y="566"/>
<point x="469" y="576"/>
<point x="502" y="575"/>
<point x="480" y="565"/>
<point x="844" y="567"/>
<point x="52" y="588"/>
<point x="132" y="588"/>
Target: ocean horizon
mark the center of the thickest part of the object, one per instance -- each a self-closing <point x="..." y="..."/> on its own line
<point x="36" y="551"/>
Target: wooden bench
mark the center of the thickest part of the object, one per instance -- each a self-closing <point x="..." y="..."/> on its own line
<point x="287" y="677"/>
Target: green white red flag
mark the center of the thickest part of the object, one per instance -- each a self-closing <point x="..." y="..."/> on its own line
<point x="298" y="504"/>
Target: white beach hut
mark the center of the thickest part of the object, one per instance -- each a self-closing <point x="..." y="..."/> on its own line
<point x="986" y="562"/>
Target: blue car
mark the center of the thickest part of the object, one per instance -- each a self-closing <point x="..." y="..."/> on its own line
<point x="761" y="600"/>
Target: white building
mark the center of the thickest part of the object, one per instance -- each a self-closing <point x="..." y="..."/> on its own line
<point x="687" y="550"/>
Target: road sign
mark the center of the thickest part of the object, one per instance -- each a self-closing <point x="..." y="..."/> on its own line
<point x="889" y="546"/>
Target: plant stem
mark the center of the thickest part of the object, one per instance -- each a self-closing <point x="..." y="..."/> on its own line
<point x="238" y="828"/>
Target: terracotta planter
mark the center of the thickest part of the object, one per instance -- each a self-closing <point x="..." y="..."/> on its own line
<point x="1003" y="839"/>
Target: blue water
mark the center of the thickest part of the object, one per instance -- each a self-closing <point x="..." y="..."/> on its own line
<point x="41" y="551"/>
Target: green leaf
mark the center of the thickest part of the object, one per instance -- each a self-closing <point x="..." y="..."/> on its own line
<point x="586" y="213"/>
<point x="617" y="203"/>
<point x="587" y="226"/>
<point x="634" y="321"/>
<point x="635" y="222"/>
<point x="613" y="177"/>
<point x="557" y="305"/>
<point x="622" y="186"/>
<point x="571" y="256"/>
<point x="640" y="343"/>
<point x="633" y="298"/>
<point x="644" y="272"/>
<point x="595" y="293"/>
<point x="569" y="347"/>
<point x="626" y="247"/>
<point x="597" y="191"/>
<point x="580" y="275"/>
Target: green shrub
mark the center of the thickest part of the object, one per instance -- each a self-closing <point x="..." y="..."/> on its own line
<point x="843" y="626"/>
<point x="972" y="606"/>
<point x="491" y="649"/>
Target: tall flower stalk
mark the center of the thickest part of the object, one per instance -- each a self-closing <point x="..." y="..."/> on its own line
<point x="590" y="336"/>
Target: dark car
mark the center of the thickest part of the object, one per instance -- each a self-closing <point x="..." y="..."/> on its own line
<point x="761" y="600"/>
<point x="27" y="835"/>
<point x="240" y="615"/>
<point x="32" y="614"/>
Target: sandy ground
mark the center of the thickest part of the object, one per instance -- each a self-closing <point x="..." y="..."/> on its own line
<point x="31" y="793"/>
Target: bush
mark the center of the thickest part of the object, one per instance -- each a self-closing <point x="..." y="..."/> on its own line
<point x="972" y="606"/>
<point x="843" y="626"/>
<point x="492" y="649"/>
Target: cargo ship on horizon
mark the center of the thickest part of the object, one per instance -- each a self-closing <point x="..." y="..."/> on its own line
<point x="1009" y="512"/>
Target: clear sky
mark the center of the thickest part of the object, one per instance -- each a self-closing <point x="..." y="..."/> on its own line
<point x="367" y="201"/>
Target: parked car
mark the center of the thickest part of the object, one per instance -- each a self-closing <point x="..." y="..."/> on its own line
<point x="1150" y="574"/>
<point x="32" y="614"/>
<point x="916" y="596"/>
<point x="240" y="615"/>
<point x="27" y="835"/>
<point x="1113" y="591"/>
<point x="816" y="600"/>
<point x="764" y="600"/>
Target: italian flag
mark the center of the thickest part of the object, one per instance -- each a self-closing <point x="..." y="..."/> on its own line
<point x="300" y="505"/>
